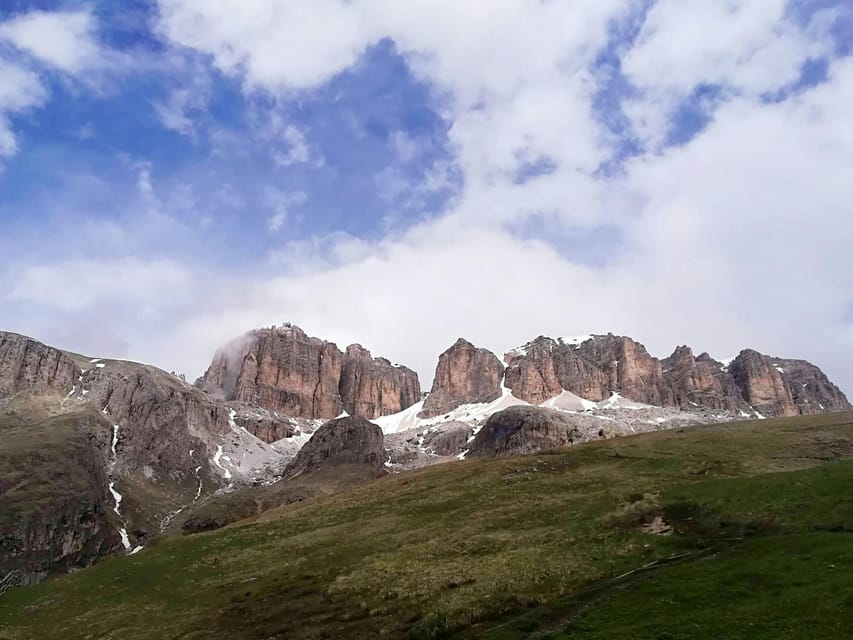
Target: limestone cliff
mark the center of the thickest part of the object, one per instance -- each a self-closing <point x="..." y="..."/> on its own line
<point x="465" y="374"/>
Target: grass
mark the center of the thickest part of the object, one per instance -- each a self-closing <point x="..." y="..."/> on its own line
<point x="509" y="548"/>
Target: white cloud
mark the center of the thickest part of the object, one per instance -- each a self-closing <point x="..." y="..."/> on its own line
<point x="739" y="237"/>
<point x="280" y="202"/>
<point x="143" y="179"/>
<point x="269" y="39"/>
<point x="276" y="221"/>
<point x="20" y="90"/>
<point x="78" y="285"/>
<point x="64" y="40"/>
<point x="749" y="47"/>
<point x="297" y="151"/>
<point x="58" y="41"/>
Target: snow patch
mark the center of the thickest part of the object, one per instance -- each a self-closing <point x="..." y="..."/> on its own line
<point x="115" y="440"/>
<point x="726" y="362"/>
<point x="616" y="401"/>
<point x="231" y="420"/>
<point x="575" y="341"/>
<point x="125" y="541"/>
<point x="569" y="402"/>
<point x="117" y="498"/>
<point x="216" y="458"/>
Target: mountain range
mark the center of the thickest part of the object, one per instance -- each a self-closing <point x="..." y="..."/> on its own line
<point x="101" y="456"/>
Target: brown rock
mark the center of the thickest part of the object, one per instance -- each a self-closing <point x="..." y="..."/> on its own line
<point x="465" y="374"/>
<point x="283" y="369"/>
<point x="28" y="364"/>
<point x="55" y="511"/>
<point x="595" y="367"/>
<point x="545" y="367"/>
<point x="345" y="441"/>
<point x="629" y="369"/>
<point x="280" y="369"/>
<point x="264" y="425"/>
<point x="451" y="439"/>
<point x="592" y="369"/>
<point x="373" y="387"/>
<point x="524" y="429"/>
<point x="810" y="389"/>
<point x="701" y="382"/>
<point x="762" y="384"/>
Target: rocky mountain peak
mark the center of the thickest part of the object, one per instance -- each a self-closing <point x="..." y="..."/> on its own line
<point x="285" y="370"/>
<point x="28" y="364"/>
<point x="594" y="367"/>
<point x="464" y="374"/>
<point x="373" y="387"/>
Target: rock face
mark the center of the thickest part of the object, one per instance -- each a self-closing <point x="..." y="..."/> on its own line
<point x="28" y="364"/>
<point x="285" y="370"/>
<point x="594" y="367"/>
<point x="811" y="390"/>
<point x="55" y="512"/>
<point x="373" y="387"/>
<point x="543" y="368"/>
<point x="762" y="384"/>
<point x="449" y="440"/>
<point x="524" y="430"/>
<point x="264" y="426"/>
<point x="346" y="441"/>
<point x="701" y="382"/>
<point x="465" y="374"/>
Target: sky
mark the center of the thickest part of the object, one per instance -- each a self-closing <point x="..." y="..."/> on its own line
<point x="174" y="173"/>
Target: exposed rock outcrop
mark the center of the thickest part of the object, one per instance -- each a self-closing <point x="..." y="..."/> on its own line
<point x="762" y="384"/>
<point x="524" y="430"/>
<point x="811" y="390"/>
<point x="465" y="374"/>
<point x="701" y="382"/>
<point x="594" y="367"/>
<point x="373" y="387"/>
<point x="28" y="364"/>
<point x="285" y="370"/>
<point x="543" y="368"/>
<point x="264" y="425"/>
<point x="55" y="512"/>
<point x="346" y="441"/>
<point x="629" y="369"/>
<point x="449" y="440"/>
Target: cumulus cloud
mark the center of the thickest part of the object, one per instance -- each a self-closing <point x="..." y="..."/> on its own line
<point x="40" y="41"/>
<point x="20" y="90"/>
<point x="738" y="237"/>
<point x="150" y="285"/>
<point x="744" y="47"/>
<point x="64" y="40"/>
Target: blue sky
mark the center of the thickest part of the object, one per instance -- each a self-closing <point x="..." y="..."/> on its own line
<point x="175" y="172"/>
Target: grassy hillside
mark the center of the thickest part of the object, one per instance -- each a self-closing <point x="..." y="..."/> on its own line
<point x="521" y="547"/>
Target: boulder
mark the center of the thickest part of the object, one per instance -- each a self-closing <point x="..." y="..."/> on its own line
<point x="346" y="441"/>
<point x="524" y="430"/>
